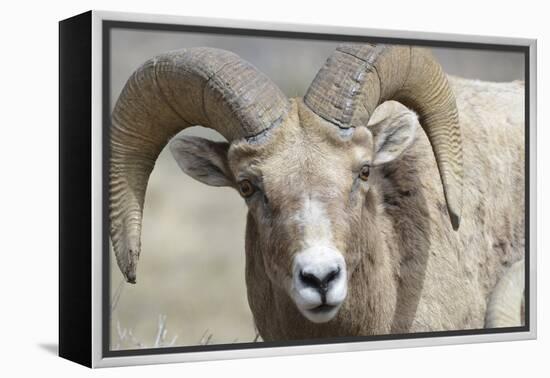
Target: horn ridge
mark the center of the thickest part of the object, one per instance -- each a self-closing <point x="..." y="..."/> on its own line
<point x="172" y="91"/>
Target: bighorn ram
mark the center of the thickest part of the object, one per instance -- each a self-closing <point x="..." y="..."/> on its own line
<point x="359" y="222"/>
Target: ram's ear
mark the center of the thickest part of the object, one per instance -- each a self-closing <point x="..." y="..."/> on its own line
<point x="203" y="159"/>
<point x="393" y="135"/>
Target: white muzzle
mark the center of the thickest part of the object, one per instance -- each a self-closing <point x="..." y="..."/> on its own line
<point x="319" y="282"/>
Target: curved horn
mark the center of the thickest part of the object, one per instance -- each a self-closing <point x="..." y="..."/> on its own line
<point x="357" y="78"/>
<point x="172" y="91"/>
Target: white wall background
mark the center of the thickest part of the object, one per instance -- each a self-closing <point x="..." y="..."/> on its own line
<point x="29" y="176"/>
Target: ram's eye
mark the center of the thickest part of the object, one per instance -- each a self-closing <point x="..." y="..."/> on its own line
<point x="364" y="173"/>
<point x="246" y="188"/>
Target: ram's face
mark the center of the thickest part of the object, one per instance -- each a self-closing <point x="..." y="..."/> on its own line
<point x="307" y="190"/>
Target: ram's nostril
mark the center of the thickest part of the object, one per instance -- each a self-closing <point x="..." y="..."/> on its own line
<point x="332" y="275"/>
<point x="319" y="283"/>
<point x="310" y="279"/>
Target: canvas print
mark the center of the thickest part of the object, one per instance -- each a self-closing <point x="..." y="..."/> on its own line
<point x="268" y="189"/>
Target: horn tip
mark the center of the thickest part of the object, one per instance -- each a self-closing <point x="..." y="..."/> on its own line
<point x="455" y="219"/>
<point x="127" y="264"/>
<point x="130" y="275"/>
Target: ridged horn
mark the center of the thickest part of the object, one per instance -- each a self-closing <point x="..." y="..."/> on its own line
<point x="357" y="78"/>
<point x="198" y="86"/>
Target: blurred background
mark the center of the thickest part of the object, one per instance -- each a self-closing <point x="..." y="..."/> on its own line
<point x="191" y="284"/>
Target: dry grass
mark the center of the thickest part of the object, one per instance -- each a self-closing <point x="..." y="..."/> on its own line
<point x="126" y="339"/>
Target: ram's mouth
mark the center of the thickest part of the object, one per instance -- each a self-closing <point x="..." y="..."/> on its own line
<point x="320" y="314"/>
<point x="325" y="307"/>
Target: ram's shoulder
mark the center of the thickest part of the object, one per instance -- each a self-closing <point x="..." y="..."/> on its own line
<point x="485" y="98"/>
<point x="460" y="84"/>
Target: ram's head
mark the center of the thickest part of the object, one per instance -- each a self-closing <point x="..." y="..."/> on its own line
<point x="303" y="166"/>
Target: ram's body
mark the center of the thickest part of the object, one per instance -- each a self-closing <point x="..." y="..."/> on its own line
<point x="439" y="279"/>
